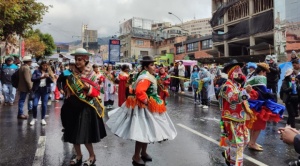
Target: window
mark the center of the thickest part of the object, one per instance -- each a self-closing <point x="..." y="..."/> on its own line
<point x="179" y="49"/>
<point x="139" y="42"/>
<point x="163" y="52"/>
<point x="143" y="53"/>
<point x="192" y="47"/>
<point x="206" y="44"/>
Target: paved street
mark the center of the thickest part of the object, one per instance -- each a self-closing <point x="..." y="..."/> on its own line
<point x="196" y="143"/>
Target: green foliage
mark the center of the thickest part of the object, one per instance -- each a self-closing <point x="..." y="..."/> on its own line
<point x="35" y="45"/>
<point x="49" y="42"/>
<point x="16" y="16"/>
<point x="46" y="39"/>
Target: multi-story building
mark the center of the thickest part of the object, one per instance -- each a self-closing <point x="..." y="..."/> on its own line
<point x="162" y="41"/>
<point x="287" y="27"/>
<point x="136" y="39"/>
<point x="157" y="26"/>
<point x="198" y="26"/>
<point x="134" y="47"/>
<point x="242" y="27"/>
<point x="194" y="48"/>
<point x="89" y="39"/>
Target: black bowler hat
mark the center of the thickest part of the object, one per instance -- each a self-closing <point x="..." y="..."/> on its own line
<point x="229" y="65"/>
<point x="147" y="59"/>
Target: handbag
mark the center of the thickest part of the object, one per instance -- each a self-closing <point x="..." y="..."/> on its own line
<point x="31" y="95"/>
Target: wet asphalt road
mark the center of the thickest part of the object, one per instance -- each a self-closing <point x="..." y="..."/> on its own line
<point x="19" y="141"/>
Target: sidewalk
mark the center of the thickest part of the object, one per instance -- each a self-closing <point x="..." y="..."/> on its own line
<point x="214" y="101"/>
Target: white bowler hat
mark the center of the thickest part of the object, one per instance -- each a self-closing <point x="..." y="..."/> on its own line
<point x="27" y="59"/>
<point x="81" y="51"/>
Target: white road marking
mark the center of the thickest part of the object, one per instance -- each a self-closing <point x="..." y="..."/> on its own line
<point x="40" y="151"/>
<point x="216" y="142"/>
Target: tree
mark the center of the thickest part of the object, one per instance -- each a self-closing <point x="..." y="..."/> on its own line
<point x="16" y="16"/>
<point x="49" y="42"/>
<point x="46" y="38"/>
<point x="35" y="45"/>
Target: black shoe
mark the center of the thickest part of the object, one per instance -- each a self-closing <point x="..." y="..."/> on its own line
<point x="146" y="158"/>
<point x="226" y="161"/>
<point x="29" y="111"/>
<point x="139" y="163"/>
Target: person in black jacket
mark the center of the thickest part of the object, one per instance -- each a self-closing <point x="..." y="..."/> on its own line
<point x="218" y="82"/>
<point x="289" y="94"/>
<point x="61" y="85"/>
<point x="274" y="75"/>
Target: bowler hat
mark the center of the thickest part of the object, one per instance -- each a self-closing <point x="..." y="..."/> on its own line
<point x="230" y="64"/>
<point x="81" y="51"/>
<point x="265" y="66"/>
<point x="147" y="59"/>
<point x="9" y="59"/>
<point x="27" y="59"/>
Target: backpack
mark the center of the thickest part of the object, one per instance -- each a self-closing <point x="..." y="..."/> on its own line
<point x="15" y="79"/>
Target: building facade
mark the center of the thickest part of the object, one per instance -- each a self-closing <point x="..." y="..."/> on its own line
<point x="136" y="39"/>
<point x="242" y="27"/>
<point x="198" y="26"/>
<point x="287" y="27"/>
<point x="89" y="39"/>
<point x="194" y="48"/>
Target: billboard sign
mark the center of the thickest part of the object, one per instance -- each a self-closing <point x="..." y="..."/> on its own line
<point x="114" y="50"/>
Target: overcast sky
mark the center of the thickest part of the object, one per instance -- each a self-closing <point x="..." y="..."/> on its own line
<point x="67" y="16"/>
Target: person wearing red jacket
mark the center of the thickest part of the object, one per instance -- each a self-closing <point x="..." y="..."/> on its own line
<point x="163" y="81"/>
<point x="123" y="84"/>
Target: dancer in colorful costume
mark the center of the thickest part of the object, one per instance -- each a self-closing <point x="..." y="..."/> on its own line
<point x="163" y="82"/>
<point x="233" y="104"/>
<point x="263" y="103"/>
<point x="123" y="84"/>
<point x="82" y="108"/>
<point x="143" y="117"/>
<point x="109" y="88"/>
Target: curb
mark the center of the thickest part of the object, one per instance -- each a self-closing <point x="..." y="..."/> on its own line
<point x="215" y="102"/>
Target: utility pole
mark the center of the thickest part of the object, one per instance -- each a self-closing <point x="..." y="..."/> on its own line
<point x="181" y="29"/>
<point x="87" y="42"/>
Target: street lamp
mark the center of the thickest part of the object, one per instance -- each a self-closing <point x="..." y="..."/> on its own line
<point x="176" y="17"/>
<point x="181" y="26"/>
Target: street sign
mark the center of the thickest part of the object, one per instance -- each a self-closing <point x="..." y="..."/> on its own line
<point x="114" y="50"/>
